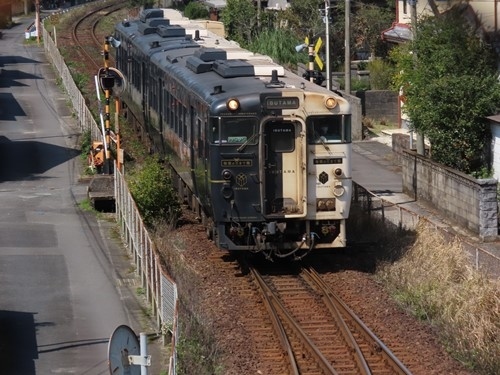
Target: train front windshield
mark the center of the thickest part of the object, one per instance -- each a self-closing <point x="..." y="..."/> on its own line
<point x="234" y="130"/>
<point x="328" y="129"/>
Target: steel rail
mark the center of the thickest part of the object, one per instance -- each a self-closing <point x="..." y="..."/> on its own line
<point x="315" y="281"/>
<point x="111" y="8"/>
<point x="391" y="360"/>
<point x="278" y="308"/>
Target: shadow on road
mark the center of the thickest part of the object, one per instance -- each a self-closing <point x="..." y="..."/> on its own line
<point x="26" y="159"/>
<point x="18" y="349"/>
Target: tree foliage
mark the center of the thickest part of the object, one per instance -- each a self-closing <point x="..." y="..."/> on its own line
<point x="450" y="83"/>
<point x="280" y="45"/>
<point x="151" y="187"/>
<point x="240" y="21"/>
<point x="368" y="23"/>
<point x="306" y="18"/>
<point x="195" y="10"/>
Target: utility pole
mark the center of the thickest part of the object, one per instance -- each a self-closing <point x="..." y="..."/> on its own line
<point x="347" y="47"/>
<point x="37" y="20"/>
<point x="327" y="37"/>
<point x="413" y="14"/>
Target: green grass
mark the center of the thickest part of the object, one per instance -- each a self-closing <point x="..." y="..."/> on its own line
<point x="86" y="205"/>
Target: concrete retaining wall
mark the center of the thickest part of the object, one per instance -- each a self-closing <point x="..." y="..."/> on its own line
<point x="380" y="105"/>
<point x="472" y="203"/>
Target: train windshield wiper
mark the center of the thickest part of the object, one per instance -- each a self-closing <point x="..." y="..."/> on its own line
<point x="245" y="144"/>
<point x="322" y="141"/>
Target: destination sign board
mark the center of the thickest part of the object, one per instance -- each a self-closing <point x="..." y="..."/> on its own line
<point x="274" y="102"/>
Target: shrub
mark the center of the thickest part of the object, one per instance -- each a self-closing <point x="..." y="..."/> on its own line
<point x="380" y="74"/>
<point x="86" y="144"/>
<point x="156" y="199"/>
<point x="195" y="10"/>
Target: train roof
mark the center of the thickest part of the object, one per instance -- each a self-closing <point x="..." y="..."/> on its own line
<point x="203" y="60"/>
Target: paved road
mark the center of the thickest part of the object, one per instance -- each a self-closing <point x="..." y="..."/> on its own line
<point x="374" y="169"/>
<point x="59" y="300"/>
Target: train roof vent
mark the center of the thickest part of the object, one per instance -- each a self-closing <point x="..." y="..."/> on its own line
<point x="150" y="13"/>
<point x="197" y="65"/>
<point x="171" y="31"/>
<point x="172" y="59"/>
<point x="145" y="29"/>
<point x="233" y="68"/>
<point x="211" y="54"/>
<point x="155" y="22"/>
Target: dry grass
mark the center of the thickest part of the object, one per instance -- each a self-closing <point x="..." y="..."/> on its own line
<point x="373" y="128"/>
<point x="436" y="280"/>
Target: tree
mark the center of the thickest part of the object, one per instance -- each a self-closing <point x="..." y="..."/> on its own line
<point x="240" y="21"/>
<point x="450" y="84"/>
<point x="367" y="24"/>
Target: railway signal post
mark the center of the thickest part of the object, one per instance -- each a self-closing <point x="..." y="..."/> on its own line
<point x="312" y="74"/>
<point x="112" y="82"/>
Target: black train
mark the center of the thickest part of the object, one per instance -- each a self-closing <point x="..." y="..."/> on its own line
<point x="265" y="154"/>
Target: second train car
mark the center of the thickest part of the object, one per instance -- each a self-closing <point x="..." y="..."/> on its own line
<point x="265" y="153"/>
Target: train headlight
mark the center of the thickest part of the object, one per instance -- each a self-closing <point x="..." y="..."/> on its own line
<point x="330" y="205"/>
<point x="321" y="205"/>
<point x="325" y="204"/>
<point x="330" y="103"/>
<point x="233" y="104"/>
<point x="337" y="172"/>
<point x="226" y="174"/>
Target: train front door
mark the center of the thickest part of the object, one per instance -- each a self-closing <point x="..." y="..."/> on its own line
<point x="283" y="164"/>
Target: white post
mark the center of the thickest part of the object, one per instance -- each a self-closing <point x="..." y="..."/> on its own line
<point x="144" y="352"/>
<point x="327" y="37"/>
<point x="347" y="46"/>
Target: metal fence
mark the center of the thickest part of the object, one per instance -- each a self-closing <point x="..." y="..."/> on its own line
<point x="482" y="258"/>
<point x="160" y="289"/>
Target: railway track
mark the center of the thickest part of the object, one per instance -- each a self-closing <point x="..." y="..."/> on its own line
<point x="86" y="25"/>
<point x="83" y="46"/>
<point x="318" y="332"/>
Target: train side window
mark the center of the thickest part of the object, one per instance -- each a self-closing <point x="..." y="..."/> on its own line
<point x="184" y="123"/>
